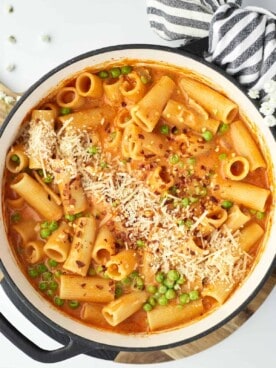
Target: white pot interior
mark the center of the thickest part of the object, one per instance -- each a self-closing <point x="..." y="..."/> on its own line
<point x="239" y="297"/>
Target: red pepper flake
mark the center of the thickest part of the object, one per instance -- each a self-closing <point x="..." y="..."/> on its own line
<point x="80" y="264"/>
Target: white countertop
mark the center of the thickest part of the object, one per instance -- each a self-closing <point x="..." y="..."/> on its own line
<point x="77" y="27"/>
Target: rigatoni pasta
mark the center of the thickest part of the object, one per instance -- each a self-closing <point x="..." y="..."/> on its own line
<point x="136" y="198"/>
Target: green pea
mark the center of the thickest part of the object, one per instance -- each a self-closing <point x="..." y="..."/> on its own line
<point x="188" y="223"/>
<point x="184" y="298"/>
<point x="53" y="225"/>
<point x="115" y="72"/>
<point x="118" y="291"/>
<point x="15" y="217"/>
<point x="147" y="307"/>
<point x="65" y="110"/>
<point x="48" y="179"/>
<point x="41" y="268"/>
<point x="57" y="274"/>
<point x="170" y="294"/>
<point x="169" y="283"/>
<point x="45" y="233"/>
<point x="103" y="165"/>
<point x="139" y="283"/>
<point x="103" y="74"/>
<point x="79" y="214"/>
<point x="152" y="289"/>
<point x="152" y="301"/>
<point x="140" y="243"/>
<point x="160" y="277"/>
<point x="162" y="289"/>
<point x="174" y="159"/>
<point x="53" y="285"/>
<point x="162" y="300"/>
<point x="260" y="215"/>
<point x="144" y="79"/>
<point x="126" y="281"/>
<point x="15" y="158"/>
<point x="194" y="295"/>
<point x="226" y="204"/>
<point x="164" y="129"/>
<point x="126" y="69"/>
<point x="73" y="304"/>
<point x="207" y="135"/>
<point x="173" y="275"/>
<point x="46" y="276"/>
<point x="133" y="274"/>
<point x="52" y="263"/>
<point x="70" y="218"/>
<point x="191" y="160"/>
<point x="58" y="301"/>
<point x="222" y="156"/>
<point x="33" y="272"/>
<point x="180" y="223"/>
<point x="193" y="199"/>
<point x="50" y="293"/>
<point x="93" y="150"/>
<point x="181" y="280"/>
<point x="44" y="224"/>
<point x="223" y="128"/>
<point x="185" y="202"/>
<point x="43" y="285"/>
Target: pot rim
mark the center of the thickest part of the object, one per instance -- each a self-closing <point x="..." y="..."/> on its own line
<point x="12" y="283"/>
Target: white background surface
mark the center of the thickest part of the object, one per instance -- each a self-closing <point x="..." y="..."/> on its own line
<point x="77" y="27"/>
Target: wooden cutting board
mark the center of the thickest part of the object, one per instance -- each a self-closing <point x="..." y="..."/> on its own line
<point x="193" y="347"/>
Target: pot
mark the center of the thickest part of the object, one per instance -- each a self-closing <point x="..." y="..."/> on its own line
<point x="78" y="338"/>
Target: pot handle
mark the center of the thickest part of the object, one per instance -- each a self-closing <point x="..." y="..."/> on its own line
<point x="69" y="350"/>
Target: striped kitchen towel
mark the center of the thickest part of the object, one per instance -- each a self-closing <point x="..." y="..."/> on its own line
<point x="241" y="41"/>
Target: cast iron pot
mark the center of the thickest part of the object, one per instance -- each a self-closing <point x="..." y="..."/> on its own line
<point x="76" y="337"/>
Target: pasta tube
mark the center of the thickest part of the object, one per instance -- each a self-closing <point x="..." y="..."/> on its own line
<point x="88" y="84"/>
<point x="171" y="316"/>
<point x="148" y="111"/>
<point x="137" y="143"/>
<point x="33" y="193"/>
<point x="16" y="160"/>
<point x="58" y="244"/>
<point x="112" y="91"/>
<point x="46" y="115"/>
<point x="92" y="313"/>
<point x="104" y="246"/>
<point x="183" y="116"/>
<point x="72" y="194"/>
<point x="249" y="236"/>
<point x="245" y="145"/>
<point x="236" y="218"/>
<point x="132" y="88"/>
<point x="87" y="289"/>
<point x="26" y="230"/>
<point x="34" y="251"/>
<point x="219" y="290"/>
<point x="79" y="257"/>
<point x="219" y="106"/>
<point x="236" y="168"/>
<point x="69" y="97"/>
<point x="89" y="118"/>
<point x="244" y="193"/>
<point x="121" y="265"/>
<point x="122" y="308"/>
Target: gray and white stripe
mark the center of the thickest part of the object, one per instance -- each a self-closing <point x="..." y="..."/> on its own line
<point x="241" y="41"/>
